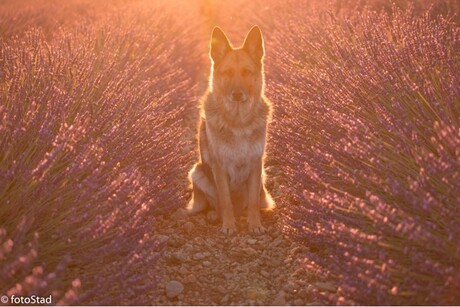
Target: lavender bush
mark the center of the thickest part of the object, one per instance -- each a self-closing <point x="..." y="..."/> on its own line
<point x="97" y="135"/>
<point x="92" y="147"/>
<point x="368" y="131"/>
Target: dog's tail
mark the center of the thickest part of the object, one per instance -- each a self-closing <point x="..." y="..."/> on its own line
<point x="266" y="200"/>
<point x="203" y="189"/>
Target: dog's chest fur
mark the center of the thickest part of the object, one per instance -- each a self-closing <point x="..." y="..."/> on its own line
<point x="237" y="149"/>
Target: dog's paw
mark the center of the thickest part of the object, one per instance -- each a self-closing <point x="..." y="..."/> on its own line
<point x="228" y="228"/>
<point x="256" y="227"/>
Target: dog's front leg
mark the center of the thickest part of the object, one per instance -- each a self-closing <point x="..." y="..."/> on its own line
<point x="254" y="186"/>
<point x="225" y="202"/>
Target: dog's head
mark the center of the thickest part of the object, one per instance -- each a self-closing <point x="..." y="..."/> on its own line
<point x="237" y="73"/>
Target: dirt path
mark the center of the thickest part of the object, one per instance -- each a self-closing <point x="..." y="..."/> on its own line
<point x="201" y="266"/>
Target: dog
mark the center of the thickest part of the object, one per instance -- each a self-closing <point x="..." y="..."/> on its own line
<point x="232" y="133"/>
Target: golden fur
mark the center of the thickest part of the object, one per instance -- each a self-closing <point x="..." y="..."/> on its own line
<point x="229" y="176"/>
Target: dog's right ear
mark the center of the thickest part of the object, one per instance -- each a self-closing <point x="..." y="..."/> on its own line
<point x="219" y="45"/>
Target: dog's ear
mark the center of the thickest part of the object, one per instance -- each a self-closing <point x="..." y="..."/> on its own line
<point x="254" y="44"/>
<point x="219" y="45"/>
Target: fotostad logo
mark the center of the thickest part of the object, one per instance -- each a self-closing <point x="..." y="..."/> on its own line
<point x="28" y="300"/>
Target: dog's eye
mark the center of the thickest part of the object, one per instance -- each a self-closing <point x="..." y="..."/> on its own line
<point x="246" y="72"/>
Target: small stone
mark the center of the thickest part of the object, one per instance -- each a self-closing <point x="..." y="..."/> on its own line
<point x="295" y="250"/>
<point x="250" y="251"/>
<point x="299" y="272"/>
<point x="198" y="256"/>
<point x="280" y="299"/>
<point x="225" y="299"/>
<point x="289" y="287"/>
<point x="277" y="241"/>
<point x="274" y="262"/>
<point x="190" y="279"/>
<point x="199" y="241"/>
<point x="183" y="270"/>
<point x="179" y="257"/>
<point x="161" y="239"/>
<point x="265" y="238"/>
<point x="274" y="234"/>
<point x="298" y="302"/>
<point x="265" y="274"/>
<point x="176" y="241"/>
<point x="180" y="214"/>
<point x="257" y="293"/>
<point x="188" y="226"/>
<point x="228" y="276"/>
<point x="210" y="242"/>
<point x="251" y="241"/>
<point x="201" y="221"/>
<point x="206" y="263"/>
<point x="326" y="286"/>
<point x="221" y="289"/>
<point x="174" y="288"/>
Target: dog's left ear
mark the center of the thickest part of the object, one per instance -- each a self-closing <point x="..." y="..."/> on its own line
<point x="220" y="45"/>
<point x="254" y="44"/>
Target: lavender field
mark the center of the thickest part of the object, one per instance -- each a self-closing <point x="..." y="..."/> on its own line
<point x="98" y="104"/>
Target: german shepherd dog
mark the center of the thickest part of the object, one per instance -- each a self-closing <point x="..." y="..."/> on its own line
<point x="229" y="175"/>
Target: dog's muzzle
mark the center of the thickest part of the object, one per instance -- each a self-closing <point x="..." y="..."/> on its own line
<point x="239" y="96"/>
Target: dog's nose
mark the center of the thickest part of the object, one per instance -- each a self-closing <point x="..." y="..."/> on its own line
<point x="238" y="96"/>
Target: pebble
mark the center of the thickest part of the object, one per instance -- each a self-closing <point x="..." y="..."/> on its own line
<point x="276" y="242"/>
<point x="199" y="241"/>
<point x="289" y="287"/>
<point x="188" y="226"/>
<point x="175" y="241"/>
<point x="274" y="262"/>
<point x="225" y="299"/>
<point x="265" y="274"/>
<point x="299" y="272"/>
<point x="221" y="289"/>
<point x="161" y="238"/>
<point x="326" y="286"/>
<point x="265" y="238"/>
<point x="296" y="250"/>
<point x="190" y="279"/>
<point x="280" y="299"/>
<point x="250" y="251"/>
<point x="228" y="276"/>
<point x="174" y="288"/>
<point x="298" y="302"/>
<point x="180" y="214"/>
<point x="206" y="263"/>
<point x="251" y="241"/>
<point x="199" y="256"/>
<point x="201" y="221"/>
<point x="179" y="257"/>
<point x="183" y="270"/>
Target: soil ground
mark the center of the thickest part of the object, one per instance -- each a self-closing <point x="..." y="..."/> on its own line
<point x="202" y="266"/>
